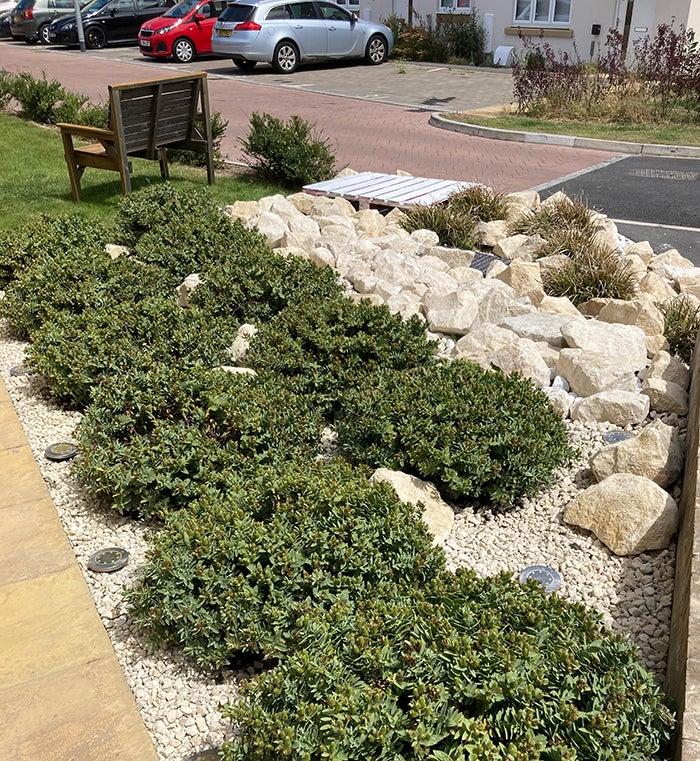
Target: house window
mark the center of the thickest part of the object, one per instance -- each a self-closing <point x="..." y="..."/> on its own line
<point x="455" y="6"/>
<point x="542" y="12"/>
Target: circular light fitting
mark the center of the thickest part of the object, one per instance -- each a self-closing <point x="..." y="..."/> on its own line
<point x="547" y="577"/>
<point x="613" y="437"/>
<point x="213" y="754"/>
<point x="63" y="450"/>
<point x="108" y="560"/>
<point x="22" y="369"/>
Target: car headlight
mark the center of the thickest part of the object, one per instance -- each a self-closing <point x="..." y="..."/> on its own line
<point x="165" y="29"/>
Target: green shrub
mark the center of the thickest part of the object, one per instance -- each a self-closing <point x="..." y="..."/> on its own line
<point x="236" y="573"/>
<point x="452" y="228"/>
<point x="469" y="669"/>
<point x="481" y="203"/>
<point x="197" y="158"/>
<point x="550" y="219"/>
<point x="681" y="326"/>
<point x="293" y="153"/>
<point x="76" y="352"/>
<point x="593" y="271"/>
<point x="152" y="440"/>
<point x="323" y="348"/>
<point x="73" y="281"/>
<point x="476" y="434"/>
<point x="419" y="41"/>
<point x="7" y="84"/>
<point x="48" y="237"/>
<point x="254" y="283"/>
<point x="465" y="38"/>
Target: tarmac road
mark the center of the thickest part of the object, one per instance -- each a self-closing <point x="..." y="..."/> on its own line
<point x="377" y="120"/>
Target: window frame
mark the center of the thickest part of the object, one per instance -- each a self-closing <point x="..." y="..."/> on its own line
<point x="533" y="21"/>
<point x="455" y="7"/>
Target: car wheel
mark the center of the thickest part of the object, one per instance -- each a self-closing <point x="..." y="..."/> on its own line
<point x="285" y="59"/>
<point x="44" y="35"/>
<point x="95" y="38"/>
<point x="376" y="51"/>
<point x="183" y="50"/>
<point x="244" y="65"/>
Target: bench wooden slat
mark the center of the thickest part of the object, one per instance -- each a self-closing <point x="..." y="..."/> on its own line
<point x="146" y="118"/>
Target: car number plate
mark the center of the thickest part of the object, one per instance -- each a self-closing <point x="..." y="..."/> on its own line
<point x="224" y="32"/>
<point x="145" y="43"/>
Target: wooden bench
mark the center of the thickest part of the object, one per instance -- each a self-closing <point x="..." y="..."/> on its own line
<point x="145" y="119"/>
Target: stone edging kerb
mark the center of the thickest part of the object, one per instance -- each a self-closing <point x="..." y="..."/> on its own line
<point x="569" y="141"/>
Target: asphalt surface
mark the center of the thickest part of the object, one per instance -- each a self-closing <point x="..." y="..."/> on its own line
<point x="376" y="119"/>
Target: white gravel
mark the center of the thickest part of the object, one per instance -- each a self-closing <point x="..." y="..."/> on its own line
<point x="179" y="702"/>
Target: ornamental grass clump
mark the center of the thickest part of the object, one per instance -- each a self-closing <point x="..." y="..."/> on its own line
<point x="152" y="440"/>
<point x="464" y="668"/>
<point x="478" y="435"/>
<point x="554" y="216"/>
<point x="452" y="228"/>
<point x="241" y="572"/>
<point x="481" y="203"/>
<point x="681" y="326"/>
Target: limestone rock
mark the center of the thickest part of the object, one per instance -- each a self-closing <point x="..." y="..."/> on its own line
<point x="559" y="399"/>
<point x="185" y="290"/>
<point x="246" y="211"/>
<point x="640" y="311"/>
<point x="590" y="372"/>
<point x="657" y="453"/>
<point x="657" y="287"/>
<point x="668" y="263"/>
<point x="239" y="347"/>
<point x="669" y="369"/>
<point x="592" y="307"/>
<point x="665" y="396"/>
<point x="491" y="233"/>
<point x="369" y="222"/>
<point x="114" y="251"/>
<point x="642" y="249"/>
<point x="522" y="356"/>
<point x="495" y="268"/>
<point x="478" y="345"/>
<point x="655" y="344"/>
<point x="560" y="305"/>
<point x="688" y="281"/>
<point x="525" y="279"/>
<point x="636" y="268"/>
<point x="538" y="326"/>
<point x="629" y="514"/>
<point x="552" y="263"/>
<point x="453" y="257"/>
<point x="616" y="407"/>
<point x="272" y="227"/>
<point x="519" y="247"/>
<point x="437" y="514"/>
<point x="454" y="312"/>
<point x="626" y="343"/>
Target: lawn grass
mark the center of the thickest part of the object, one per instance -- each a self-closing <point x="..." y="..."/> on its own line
<point x="35" y="178"/>
<point x="662" y="134"/>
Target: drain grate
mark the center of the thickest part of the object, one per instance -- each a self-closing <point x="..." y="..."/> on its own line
<point x="665" y="174"/>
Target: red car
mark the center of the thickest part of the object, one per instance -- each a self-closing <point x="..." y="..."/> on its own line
<point x="183" y="32"/>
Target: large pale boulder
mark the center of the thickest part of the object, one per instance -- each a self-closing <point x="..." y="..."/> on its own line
<point x="630" y="514"/>
<point x="657" y="287"/>
<point x="437" y="514"/>
<point x="592" y="307"/>
<point x="590" y="372"/>
<point x="655" y="344"/>
<point x="453" y="312"/>
<point x="478" y="345"/>
<point x="369" y="222"/>
<point x="525" y="279"/>
<point x="657" y="453"/>
<point x="552" y="263"/>
<point x="559" y="399"/>
<point x="497" y="300"/>
<point x="246" y="211"/>
<point x="522" y="356"/>
<point x="272" y="227"/>
<point x="560" y="305"/>
<point x="519" y="247"/>
<point x="669" y="263"/>
<point x="537" y="326"/>
<point x="491" y="233"/>
<point x="425" y="237"/>
<point x="640" y="311"/>
<point x="688" y="281"/>
<point x="626" y="343"/>
<point x="642" y="249"/>
<point x="636" y="268"/>
<point x="616" y="407"/>
<point x="453" y="257"/>
<point x="665" y="396"/>
<point x="669" y="369"/>
<point x="185" y="290"/>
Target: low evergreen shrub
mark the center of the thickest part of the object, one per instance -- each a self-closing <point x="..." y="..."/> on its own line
<point x="467" y="669"/>
<point x="477" y="434"/>
<point x="293" y="153"/>
<point x="681" y="326"/>
<point x="152" y="440"/>
<point x="324" y="347"/>
<point x="76" y="352"/>
<point x="197" y="158"/>
<point x="239" y="573"/>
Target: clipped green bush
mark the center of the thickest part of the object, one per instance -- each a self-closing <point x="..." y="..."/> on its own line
<point x="594" y="270"/>
<point x="293" y="153"/>
<point x="153" y="439"/>
<point x="48" y="237"/>
<point x="477" y="434"/>
<point x="237" y="573"/>
<point x="76" y="352"/>
<point x="452" y="227"/>
<point x="324" y="347"/>
<point x="468" y="669"/>
<point x="254" y="283"/>
<point x="197" y="158"/>
<point x="681" y="326"/>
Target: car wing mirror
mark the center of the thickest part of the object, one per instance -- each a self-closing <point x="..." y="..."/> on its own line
<point x="200" y="17"/>
<point x="353" y="17"/>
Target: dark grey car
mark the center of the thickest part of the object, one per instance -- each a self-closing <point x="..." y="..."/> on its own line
<point x="31" y="18"/>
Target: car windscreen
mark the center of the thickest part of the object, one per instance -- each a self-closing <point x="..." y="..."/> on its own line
<point x="182" y="9"/>
<point x="95" y="5"/>
<point x="24" y="4"/>
<point x="237" y="12"/>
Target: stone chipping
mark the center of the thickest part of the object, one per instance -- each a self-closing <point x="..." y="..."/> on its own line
<point x="467" y="315"/>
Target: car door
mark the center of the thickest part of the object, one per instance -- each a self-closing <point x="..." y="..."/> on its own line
<point x="117" y="18"/>
<point x="343" y="36"/>
<point x="309" y="29"/>
<point x="200" y="30"/>
<point x="145" y="11"/>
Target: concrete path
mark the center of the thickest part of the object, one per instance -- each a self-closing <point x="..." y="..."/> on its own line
<point x="368" y="136"/>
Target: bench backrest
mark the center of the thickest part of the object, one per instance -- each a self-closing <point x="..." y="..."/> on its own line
<point x="157" y="113"/>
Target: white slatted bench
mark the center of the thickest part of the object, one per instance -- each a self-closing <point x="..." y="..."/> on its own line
<point x="369" y="189"/>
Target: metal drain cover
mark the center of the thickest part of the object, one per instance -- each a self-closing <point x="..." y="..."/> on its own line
<point x="63" y="450"/>
<point x="547" y="577"/>
<point x="108" y="560"/>
<point x="613" y="437"/>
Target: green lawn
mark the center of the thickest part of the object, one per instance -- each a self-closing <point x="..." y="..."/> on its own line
<point x="664" y="134"/>
<point x="35" y="178"/>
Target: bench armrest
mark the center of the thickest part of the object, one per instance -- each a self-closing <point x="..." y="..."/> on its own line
<point x="89" y="133"/>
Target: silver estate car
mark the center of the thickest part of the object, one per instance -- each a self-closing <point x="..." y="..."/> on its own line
<point x="286" y="33"/>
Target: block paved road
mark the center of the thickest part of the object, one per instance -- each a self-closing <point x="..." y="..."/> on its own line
<point x="368" y="135"/>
